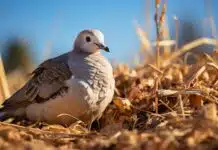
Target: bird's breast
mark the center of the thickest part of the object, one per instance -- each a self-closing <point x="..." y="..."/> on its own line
<point x="95" y="70"/>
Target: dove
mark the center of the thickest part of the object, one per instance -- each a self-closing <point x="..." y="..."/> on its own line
<point x="77" y="85"/>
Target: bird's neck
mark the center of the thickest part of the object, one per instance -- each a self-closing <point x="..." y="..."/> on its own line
<point x="80" y="51"/>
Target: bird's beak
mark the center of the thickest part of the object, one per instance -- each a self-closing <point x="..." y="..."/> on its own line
<point x="103" y="47"/>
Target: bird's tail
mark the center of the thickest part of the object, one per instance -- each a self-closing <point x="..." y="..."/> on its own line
<point x="11" y="112"/>
<point x="4" y="115"/>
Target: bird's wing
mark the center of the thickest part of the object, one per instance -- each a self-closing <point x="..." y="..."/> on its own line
<point x="48" y="81"/>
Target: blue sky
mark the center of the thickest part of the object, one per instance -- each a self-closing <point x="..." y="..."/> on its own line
<point x="57" y="22"/>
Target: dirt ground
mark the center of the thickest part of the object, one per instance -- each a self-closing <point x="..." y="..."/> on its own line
<point x="200" y="132"/>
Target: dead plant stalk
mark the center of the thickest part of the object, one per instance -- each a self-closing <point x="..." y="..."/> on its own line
<point x="3" y="82"/>
<point x="158" y="22"/>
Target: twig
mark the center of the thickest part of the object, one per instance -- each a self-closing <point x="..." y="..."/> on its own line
<point x="166" y="36"/>
<point x="38" y="131"/>
<point x="209" y="58"/>
<point x="144" y="40"/>
<point x="166" y="106"/>
<point x="213" y="65"/>
<point x="196" y="75"/>
<point x="177" y="32"/>
<point x="154" y="114"/>
<point x="165" y="43"/>
<point x="189" y="47"/>
<point x="181" y="105"/>
<point x="157" y="23"/>
<point x="155" y="68"/>
<point x="156" y="92"/>
<point x="3" y="81"/>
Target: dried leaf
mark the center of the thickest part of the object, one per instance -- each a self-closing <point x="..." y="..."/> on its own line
<point x="122" y="104"/>
<point x="195" y="101"/>
<point x="210" y="112"/>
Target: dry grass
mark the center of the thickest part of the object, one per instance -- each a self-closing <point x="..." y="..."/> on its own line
<point x="4" y="90"/>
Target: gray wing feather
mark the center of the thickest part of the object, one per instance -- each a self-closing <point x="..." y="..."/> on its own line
<point x="47" y="80"/>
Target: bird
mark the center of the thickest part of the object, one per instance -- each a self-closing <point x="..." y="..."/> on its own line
<point x="77" y="85"/>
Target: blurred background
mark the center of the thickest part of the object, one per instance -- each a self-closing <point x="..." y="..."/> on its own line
<point x="32" y="31"/>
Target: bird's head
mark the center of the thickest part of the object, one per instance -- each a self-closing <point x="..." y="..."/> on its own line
<point x="90" y="41"/>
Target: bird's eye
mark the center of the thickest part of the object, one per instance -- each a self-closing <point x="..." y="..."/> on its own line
<point x="88" y="39"/>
